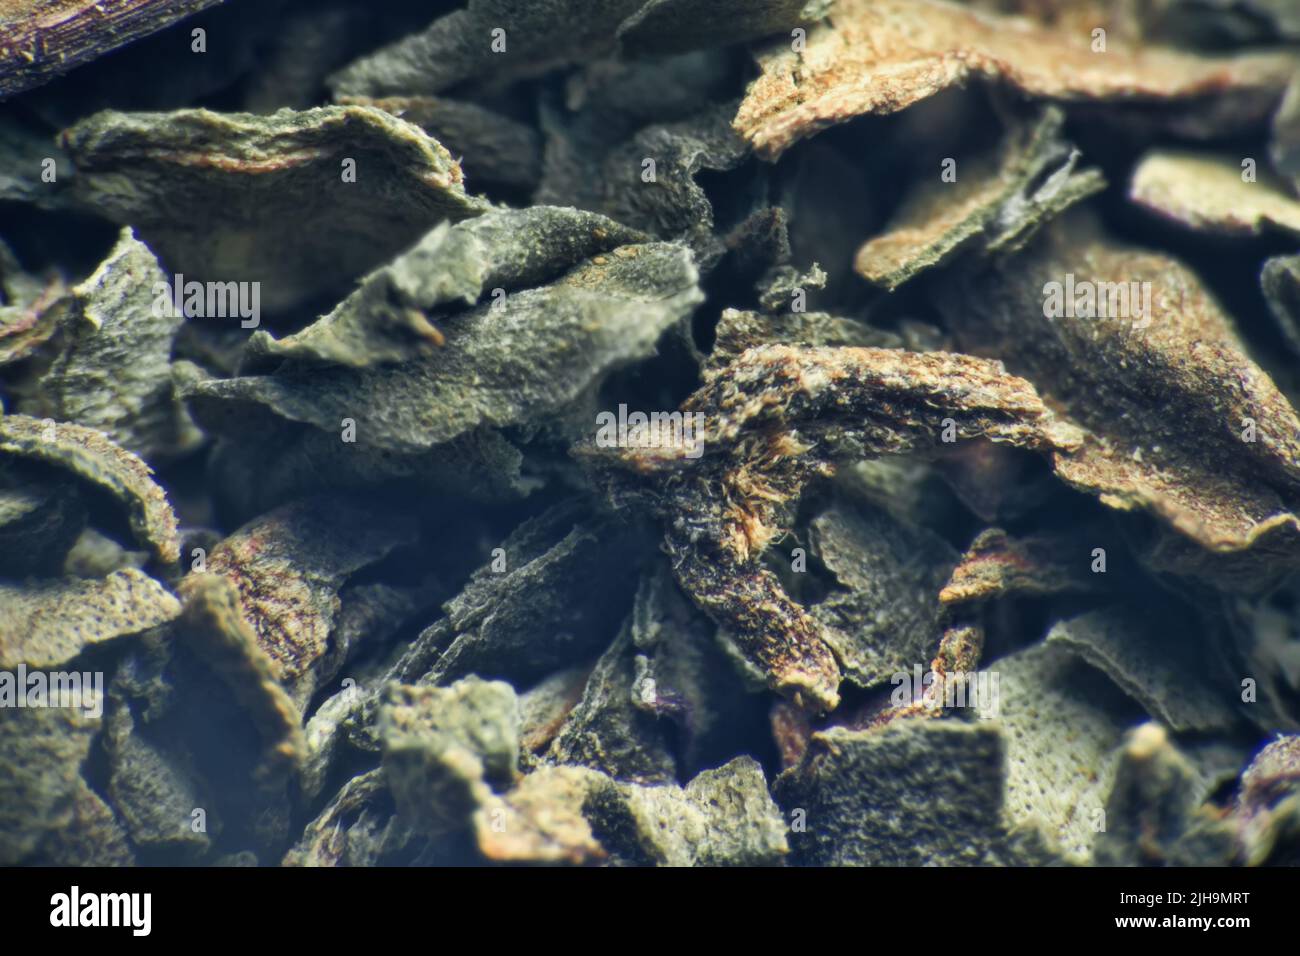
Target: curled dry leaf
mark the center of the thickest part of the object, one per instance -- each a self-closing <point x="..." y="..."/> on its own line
<point x="1217" y="459"/>
<point x="508" y="364"/>
<point x="113" y="371"/>
<point x="777" y="418"/>
<point x="273" y="192"/>
<point x="90" y="457"/>
<point x="998" y="200"/>
<point x="386" y="319"/>
<point x="881" y="56"/>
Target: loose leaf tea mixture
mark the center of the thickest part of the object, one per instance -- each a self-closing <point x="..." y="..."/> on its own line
<point x="796" y="432"/>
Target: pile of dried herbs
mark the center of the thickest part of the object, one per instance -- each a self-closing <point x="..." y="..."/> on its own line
<point x="678" y="432"/>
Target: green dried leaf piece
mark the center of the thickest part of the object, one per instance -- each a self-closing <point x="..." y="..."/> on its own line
<point x="914" y="793"/>
<point x="507" y="365"/>
<point x="386" y="319"/>
<point x="495" y="40"/>
<point x="998" y="200"/>
<point x="885" y="616"/>
<point x="1173" y="681"/>
<point x="443" y="746"/>
<point x="272" y="192"/>
<point x="86" y="454"/>
<point x="1063" y="724"/>
<point x="722" y="817"/>
<point x="113" y="372"/>
<point x="48" y="623"/>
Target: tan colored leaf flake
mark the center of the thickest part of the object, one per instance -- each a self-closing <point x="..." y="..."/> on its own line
<point x="1207" y="193"/>
<point x="881" y="56"/>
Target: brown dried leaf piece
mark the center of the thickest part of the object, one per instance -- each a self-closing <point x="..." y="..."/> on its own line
<point x="998" y="200"/>
<point x="39" y="39"/>
<point x="213" y="625"/>
<point x="996" y="565"/>
<point x="287" y="567"/>
<point x="45" y="624"/>
<point x="113" y="372"/>
<point x="781" y="416"/>
<point x="91" y="457"/>
<point x="270" y="191"/>
<point x="1217" y="458"/>
<point x="881" y="56"/>
<point x="1207" y="193"/>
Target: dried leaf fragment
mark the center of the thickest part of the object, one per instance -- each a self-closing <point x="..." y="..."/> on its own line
<point x="114" y="371"/>
<point x="43" y="38"/>
<point x="47" y="623"/>
<point x="780" y="416"/>
<point x="272" y="191"/>
<point x="1099" y="327"/>
<point x="87" y="455"/>
<point x="1210" y="193"/>
<point x="385" y="320"/>
<point x="998" y="200"/>
<point x="881" y="56"/>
